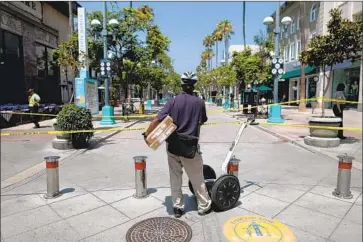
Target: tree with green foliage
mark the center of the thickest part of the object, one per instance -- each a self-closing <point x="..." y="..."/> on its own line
<point x="132" y="56"/>
<point x="343" y="42"/>
<point x="249" y="67"/>
<point x="224" y="76"/>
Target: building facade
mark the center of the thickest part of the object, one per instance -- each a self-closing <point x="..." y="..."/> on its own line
<point x="315" y="23"/>
<point x="349" y="73"/>
<point x="291" y="47"/>
<point x="29" y="31"/>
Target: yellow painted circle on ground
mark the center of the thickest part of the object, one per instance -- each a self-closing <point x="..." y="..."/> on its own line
<point x="250" y="228"/>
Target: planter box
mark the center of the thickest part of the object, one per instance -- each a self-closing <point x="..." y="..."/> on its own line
<point x="61" y="136"/>
<point x="325" y="122"/>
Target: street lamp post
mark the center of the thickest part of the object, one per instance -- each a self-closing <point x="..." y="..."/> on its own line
<point x="224" y="99"/>
<point x="107" y="110"/>
<point x="275" y="110"/>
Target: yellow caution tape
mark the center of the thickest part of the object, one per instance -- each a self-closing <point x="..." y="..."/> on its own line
<point x="355" y="129"/>
<point x="314" y="126"/>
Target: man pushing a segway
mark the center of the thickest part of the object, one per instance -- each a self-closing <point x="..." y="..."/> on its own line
<point x="188" y="113"/>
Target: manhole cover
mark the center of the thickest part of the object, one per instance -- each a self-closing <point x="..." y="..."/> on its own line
<point x="160" y="229"/>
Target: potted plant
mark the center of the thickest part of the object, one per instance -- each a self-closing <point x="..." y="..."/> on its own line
<point x="73" y="118"/>
<point x="343" y="42"/>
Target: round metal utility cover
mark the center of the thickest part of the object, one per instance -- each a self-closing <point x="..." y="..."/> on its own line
<point x="161" y="229"/>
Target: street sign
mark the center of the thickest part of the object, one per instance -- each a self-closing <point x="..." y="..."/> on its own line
<point x="277" y="66"/>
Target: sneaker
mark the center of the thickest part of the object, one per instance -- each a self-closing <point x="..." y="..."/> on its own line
<point x="204" y="212"/>
<point x="178" y="212"/>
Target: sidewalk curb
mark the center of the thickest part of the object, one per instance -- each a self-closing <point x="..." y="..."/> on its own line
<point x="39" y="169"/>
<point x="356" y="165"/>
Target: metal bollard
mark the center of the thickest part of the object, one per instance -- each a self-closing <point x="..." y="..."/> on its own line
<point x="344" y="176"/>
<point x="140" y="177"/>
<point x="233" y="166"/>
<point x="52" y="164"/>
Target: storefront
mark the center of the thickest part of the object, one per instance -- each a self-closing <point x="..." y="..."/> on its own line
<point x="292" y="77"/>
<point x="349" y="76"/>
<point x="26" y="44"/>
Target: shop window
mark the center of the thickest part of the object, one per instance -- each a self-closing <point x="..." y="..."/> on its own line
<point x="352" y="84"/>
<point x="293" y="26"/>
<point x="313" y="13"/>
<point x="298" y="23"/>
<point x="46" y="65"/>
<point x="41" y="60"/>
<point x="51" y="64"/>
<point x="286" y="53"/>
<point x="298" y="48"/>
<point x="292" y="52"/>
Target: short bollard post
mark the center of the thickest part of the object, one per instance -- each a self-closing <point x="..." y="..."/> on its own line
<point x="52" y="164"/>
<point x="140" y="177"/>
<point x="233" y="166"/>
<point x="344" y="175"/>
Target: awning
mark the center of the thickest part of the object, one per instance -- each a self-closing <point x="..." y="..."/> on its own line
<point x="262" y="88"/>
<point x="297" y="72"/>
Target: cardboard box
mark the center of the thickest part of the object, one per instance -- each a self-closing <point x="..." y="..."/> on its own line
<point x="161" y="133"/>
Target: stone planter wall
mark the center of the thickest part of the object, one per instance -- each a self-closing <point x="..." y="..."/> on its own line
<point x="320" y="137"/>
<point x="325" y="122"/>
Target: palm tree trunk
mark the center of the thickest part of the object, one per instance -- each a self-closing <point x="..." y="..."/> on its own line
<point x="244" y="24"/>
<point x="216" y="53"/>
<point x="226" y="51"/>
<point x="302" y="103"/>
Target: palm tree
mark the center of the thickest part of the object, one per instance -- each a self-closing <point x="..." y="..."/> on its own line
<point x="217" y="36"/>
<point x="208" y="42"/>
<point x="244" y="24"/>
<point x="225" y="27"/>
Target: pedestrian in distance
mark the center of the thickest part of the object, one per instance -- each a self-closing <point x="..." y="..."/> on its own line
<point x="339" y="106"/>
<point x="34" y="101"/>
<point x="188" y="113"/>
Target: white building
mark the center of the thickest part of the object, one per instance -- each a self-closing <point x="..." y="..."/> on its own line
<point x="240" y="48"/>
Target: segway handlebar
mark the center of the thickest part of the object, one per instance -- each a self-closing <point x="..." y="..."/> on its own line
<point x="233" y="146"/>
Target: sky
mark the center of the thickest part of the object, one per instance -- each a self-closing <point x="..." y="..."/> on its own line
<point x="187" y="23"/>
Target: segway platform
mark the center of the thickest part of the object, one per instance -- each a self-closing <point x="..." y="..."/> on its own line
<point x="225" y="190"/>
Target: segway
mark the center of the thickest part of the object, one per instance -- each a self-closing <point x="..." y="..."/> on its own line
<point x="224" y="190"/>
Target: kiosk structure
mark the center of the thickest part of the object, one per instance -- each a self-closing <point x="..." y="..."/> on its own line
<point x="86" y="89"/>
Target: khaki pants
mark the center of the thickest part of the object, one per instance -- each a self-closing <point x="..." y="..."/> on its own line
<point x="194" y="169"/>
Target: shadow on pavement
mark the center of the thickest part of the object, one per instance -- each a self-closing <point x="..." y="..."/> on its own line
<point x="350" y="140"/>
<point x="67" y="190"/>
<point x="151" y="190"/>
<point x="96" y="145"/>
<point x="189" y="201"/>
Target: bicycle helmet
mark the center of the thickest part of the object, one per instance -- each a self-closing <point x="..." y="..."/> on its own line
<point x="189" y="78"/>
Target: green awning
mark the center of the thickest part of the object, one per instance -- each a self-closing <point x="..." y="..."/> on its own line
<point x="297" y="72"/>
<point x="262" y="88"/>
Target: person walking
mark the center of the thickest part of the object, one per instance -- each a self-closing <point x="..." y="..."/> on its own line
<point x="188" y="113"/>
<point x="339" y="106"/>
<point x="34" y="100"/>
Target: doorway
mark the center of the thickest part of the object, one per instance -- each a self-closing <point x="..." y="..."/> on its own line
<point x="11" y="69"/>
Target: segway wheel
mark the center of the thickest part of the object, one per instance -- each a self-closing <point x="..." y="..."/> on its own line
<point x="208" y="173"/>
<point x="225" y="192"/>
